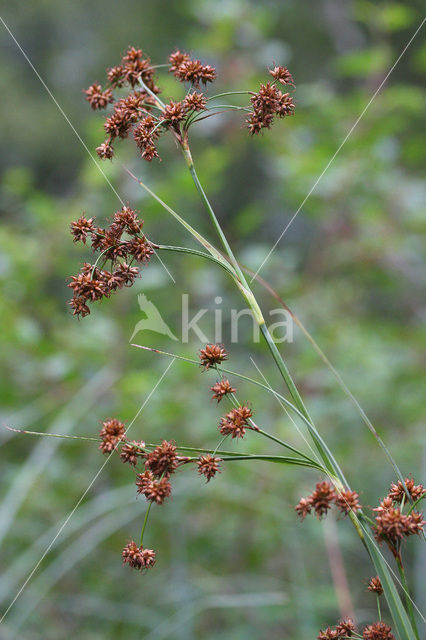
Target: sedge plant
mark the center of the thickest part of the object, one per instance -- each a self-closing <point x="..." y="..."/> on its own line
<point x="123" y="249"/>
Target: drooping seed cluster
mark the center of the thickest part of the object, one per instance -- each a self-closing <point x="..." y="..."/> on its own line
<point x="121" y="244"/>
<point x="154" y="466"/>
<point x="347" y="629"/>
<point x="322" y="499"/>
<point x="269" y="102"/>
<point x="375" y="586"/>
<point x="212" y="355"/>
<point x="138" y="557"/>
<point x="392" y="524"/>
<point x="142" y="113"/>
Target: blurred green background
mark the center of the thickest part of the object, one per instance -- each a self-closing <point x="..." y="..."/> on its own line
<point x="233" y="562"/>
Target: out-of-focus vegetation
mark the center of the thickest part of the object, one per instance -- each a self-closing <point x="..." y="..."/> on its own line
<point x="233" y="560"/>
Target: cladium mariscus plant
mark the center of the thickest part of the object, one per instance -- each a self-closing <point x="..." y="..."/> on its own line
<point x="123" y="249"/>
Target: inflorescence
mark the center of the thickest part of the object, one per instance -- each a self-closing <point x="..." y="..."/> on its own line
<point x="121" y="244"/>
<point x="144" y="115"/>
<point x="155" y="466"/>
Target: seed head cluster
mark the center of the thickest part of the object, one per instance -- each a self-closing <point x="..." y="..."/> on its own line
<point x="208" y="466"/>
<point x="346" y="629"/>
<point x="322" y="499"/>
<point x="144" y="115"/>
<point x="236" y="422"/>
<point x="270" y="102"/>
<point x="112" y="432"/>
<point x="138" y="557"/>
<point x="375" y="586"/>
<point x="212" y="355"/>
<point x="392" y="525"/>
<point x="221" y="389"/>
<point x="121" y="244"/>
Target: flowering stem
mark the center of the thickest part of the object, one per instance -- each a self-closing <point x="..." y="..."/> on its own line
<point x="284" y="444"/>
<point x="195" y="252"/>
<point x="408" y="603"/>
<point x="379" y="613"/>
<point x="226" y="246"/>
<point x="145" y="522"/>
<point x="230" y="93"/>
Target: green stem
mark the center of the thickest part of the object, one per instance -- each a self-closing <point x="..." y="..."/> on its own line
<point x="188" y="158"/>
<point x="229" y="93"/>
<point x="408" y="603"/>
<point x="284" y="372"/>
<point x="284" y="444"/>
<point x="195" y="252"/>
<point x="378" y="607"/>
<point x="145" y="522"/>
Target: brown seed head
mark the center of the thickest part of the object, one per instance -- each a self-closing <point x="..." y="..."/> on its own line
<point x="375" y="586"/>
<point x="115" y="76"/>
<point x="236" y="422"/>
<point x="176" y="59"/>
<point x="348" y="501"/>
<point x="97" y="98"/>
<point x="153" y="489"/>
<point x="195" y="102"/>
<point x="79" y="306"/>
<point x="208" y="466"/>
<point x="221" y="389"/>
<point x="378" y="631"/>
<point x="131" y="451"/>
<point x="81" y="228"/>
<point x="303" y="508"/>
<point x="112" y="432"/>
<point x="138" y="557"/>
<point x="346" y="628"/>
<point x="322" y="498"/>
<point x="105" y="151"/>
<point x="140" y="249"/>
<point x="162" y="461"/>
<point x="174" y="112"/>
<point x="282" y="74"/>
<point x="397" y="491"/>
<point x="213" y="354"/>
<point x="194" y="71"/>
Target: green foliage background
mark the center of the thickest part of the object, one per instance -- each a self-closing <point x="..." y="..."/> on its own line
<point x="233" y="560"/>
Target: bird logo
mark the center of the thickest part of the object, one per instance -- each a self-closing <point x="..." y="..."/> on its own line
<point x="153" y="320"/>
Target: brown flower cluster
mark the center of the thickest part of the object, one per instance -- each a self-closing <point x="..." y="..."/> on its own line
<point x="345" y="629"/>
<point x="375" y="586"/>
<point x="236" y="422"/>
<point x="186" y="69"/>
<point x="138" y="557"/>
<point x="212" y="355"/>
<point x="112" y="432"/>
<point x="160" y="464"/>
<point x="144" y="114"/>
<point x="269" y="102"/>
<point x="208" y="466"/>
<point x="134" y="67"/>
<point x="324" y="497"/>
<point x="121" y="243"/>
<point x="134" y="112"/>
<point x="378" y="631"/>
<point x="398" y="494"/>
<point x="221" y="389"/>
<point x="132" y="452"/>
<point x="392" y="525"/>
